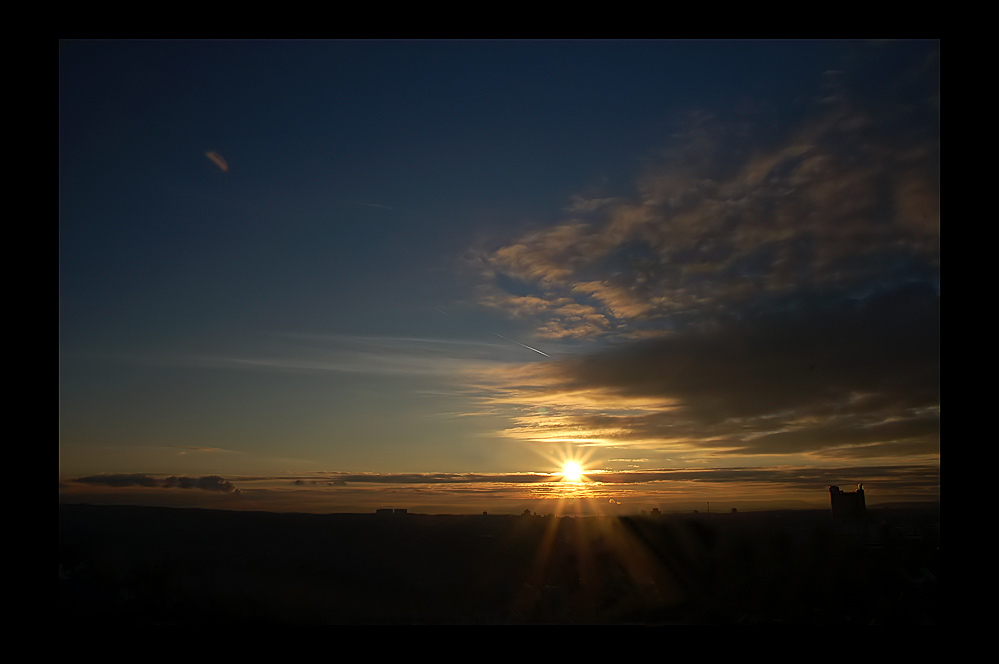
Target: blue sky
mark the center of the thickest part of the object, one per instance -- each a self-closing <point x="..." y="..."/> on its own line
<point x="286" y="263"/>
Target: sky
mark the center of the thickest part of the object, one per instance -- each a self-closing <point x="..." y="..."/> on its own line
<point x="333" y="276"/>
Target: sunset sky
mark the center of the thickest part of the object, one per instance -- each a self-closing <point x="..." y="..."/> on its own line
<point x="333" y="276"/>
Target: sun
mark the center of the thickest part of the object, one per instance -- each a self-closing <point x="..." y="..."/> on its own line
<point x="572" y="471"/>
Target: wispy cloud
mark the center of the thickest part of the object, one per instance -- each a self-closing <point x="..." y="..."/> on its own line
<point x="184" y="449"/>
<point x="370" y="355"/>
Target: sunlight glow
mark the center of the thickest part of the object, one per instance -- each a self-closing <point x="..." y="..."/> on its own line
<point x="572" y="471"/>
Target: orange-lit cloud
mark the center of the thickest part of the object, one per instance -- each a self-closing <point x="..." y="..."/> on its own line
<point x="841" y="374"/>
<point x="218" y="160"/>
<point x="750" y="298"/>
<point x="712" y="228"/>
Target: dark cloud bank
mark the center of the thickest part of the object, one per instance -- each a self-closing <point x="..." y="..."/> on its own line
<point x="212" y="483"/>
<point x="859" y="370"/>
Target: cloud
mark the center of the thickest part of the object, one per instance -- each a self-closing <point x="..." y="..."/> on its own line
<point x="510" y="492"/>
<point x="790" y="353"/>
<point x="758" y="293"/>
<point x="386" y="356"/>
<point x="888" y="477"/>
<point x="901" y="475"/>
<point x="580" y="204"/>
<point x="726" y="217"/>
<point x="212" y="483"/>
<point x="120" y="480"/>
<point x="797" y="374"/>
<point x="218" y="160"/>
<point x="341" y="479"/>
<point x="184" y="449"/>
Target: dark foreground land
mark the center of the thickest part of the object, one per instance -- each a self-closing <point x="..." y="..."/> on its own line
<point x="160" y="565"/>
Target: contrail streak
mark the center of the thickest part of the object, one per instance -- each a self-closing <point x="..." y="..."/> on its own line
<point x="541" y="352"/>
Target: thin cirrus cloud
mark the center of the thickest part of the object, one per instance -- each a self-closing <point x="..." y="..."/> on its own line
<point x="370" y="355"/>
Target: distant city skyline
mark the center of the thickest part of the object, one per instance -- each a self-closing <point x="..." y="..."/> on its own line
<point x="355" y="274"/>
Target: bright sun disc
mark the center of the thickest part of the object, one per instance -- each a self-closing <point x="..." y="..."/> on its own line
<point x="572" y="471"/>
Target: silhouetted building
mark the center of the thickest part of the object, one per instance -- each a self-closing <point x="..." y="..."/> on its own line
<point x="848" y="506"/>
